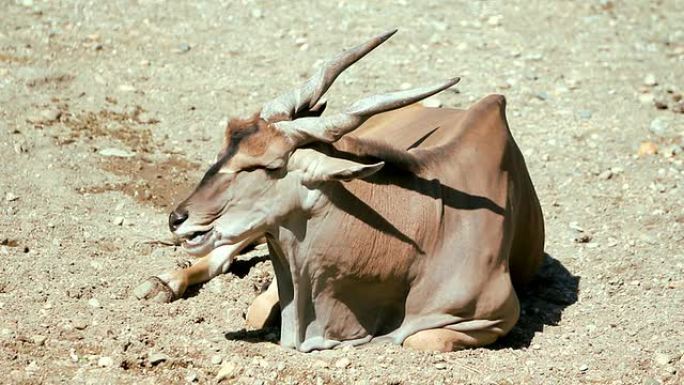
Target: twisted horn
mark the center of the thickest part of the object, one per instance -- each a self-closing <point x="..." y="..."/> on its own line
<point x="330" y="129"/>
<point x="311" y="91"/>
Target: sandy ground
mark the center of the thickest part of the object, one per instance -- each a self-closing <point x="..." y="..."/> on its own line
<point x="593" y="88"/>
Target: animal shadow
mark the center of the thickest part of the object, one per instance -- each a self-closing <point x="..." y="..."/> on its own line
<point x="269" y="334"/>
<point x="542" y="303"/>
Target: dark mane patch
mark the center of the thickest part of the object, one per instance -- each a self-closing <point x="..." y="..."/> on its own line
<point x="239" y="128"/>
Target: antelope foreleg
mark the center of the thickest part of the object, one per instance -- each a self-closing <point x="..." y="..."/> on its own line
<point x="170" y="286"/>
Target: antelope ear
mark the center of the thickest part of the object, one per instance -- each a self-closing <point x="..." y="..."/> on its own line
<point x="319" y="168"/>
<point x="345" y="170"/>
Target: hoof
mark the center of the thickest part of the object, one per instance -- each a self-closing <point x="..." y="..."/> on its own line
<point x="155" y="290"/>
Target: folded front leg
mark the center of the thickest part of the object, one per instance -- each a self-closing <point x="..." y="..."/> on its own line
<point x="170" y="286"/>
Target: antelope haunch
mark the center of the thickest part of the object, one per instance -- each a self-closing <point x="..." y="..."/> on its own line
<point x="386" y="222"/>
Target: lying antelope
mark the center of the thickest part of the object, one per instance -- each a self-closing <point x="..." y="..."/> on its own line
<point x="386" y="222"/>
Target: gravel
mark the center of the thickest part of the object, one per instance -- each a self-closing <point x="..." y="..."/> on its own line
<point x="161" y="81"/>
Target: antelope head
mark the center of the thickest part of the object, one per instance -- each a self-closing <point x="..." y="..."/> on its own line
<point x="264" y="171"/>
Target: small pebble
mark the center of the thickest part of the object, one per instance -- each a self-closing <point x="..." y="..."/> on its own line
<point x="572" y="84"/>
<point x="440" y="365"/>
<point x="93" y="302"/>
<point x="126" y="88"/>
<point x="650" y="80"/>
<point x="678" y="108"/>
<point x="7" y="334"/>
<point x="32" y="367"/>
<point x="191" y="376"/>
<point x="606" y="175"/>
<point x="662" y="359"/>
<point x="504" y="85"/>
<point x="50" y="115"/>
<point x="495" y="20"/>
<point x="157" y="358"/>
<point x="646" y="98"/>
<point x="184" y="47"/>
<point x="216" y="359"/>
<point x="226" y="372"/>
<point x="543" y="95"/>
<point x="10" y="197"/>
<point x="320" y="364"/>
<point x="583" y="368"/>
<point x="79" y="324"/>
<point x="118" y="221"/>
<point x="20" y="147"/>
<point x="440" y="26"/>
<point x="660" y="104"/>
<point x="105" y="362"/>
<point x="116" y="152"/>
<point x="575" y="226"/>
<point x="584" y="114"/>
<point x="658" y="126"/>
<point x="647" y="148"/>
<point x="257" y="13"/>
<point x="534" y="56"/>
<point x="671" y="150"/>
<point x="342" y="363"/>
<point x="39" y="340"/>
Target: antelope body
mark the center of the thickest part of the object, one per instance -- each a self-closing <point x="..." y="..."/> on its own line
<point x="387" y="222"/>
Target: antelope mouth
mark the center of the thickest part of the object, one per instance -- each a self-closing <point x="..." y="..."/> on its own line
<point x="197" y="241"/>
<point x="197" y="237"/>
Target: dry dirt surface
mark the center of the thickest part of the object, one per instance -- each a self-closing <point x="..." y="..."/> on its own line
<point x="110" y="111"/>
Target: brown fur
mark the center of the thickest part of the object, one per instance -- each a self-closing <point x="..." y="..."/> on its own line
<point x="251" y="142"/>
<point x="251" y="133"/>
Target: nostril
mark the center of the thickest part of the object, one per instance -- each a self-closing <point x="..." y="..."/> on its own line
<point x="176" y="218"/>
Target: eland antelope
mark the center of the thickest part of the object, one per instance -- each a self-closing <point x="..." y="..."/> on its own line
<point x="388" y="221"/>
